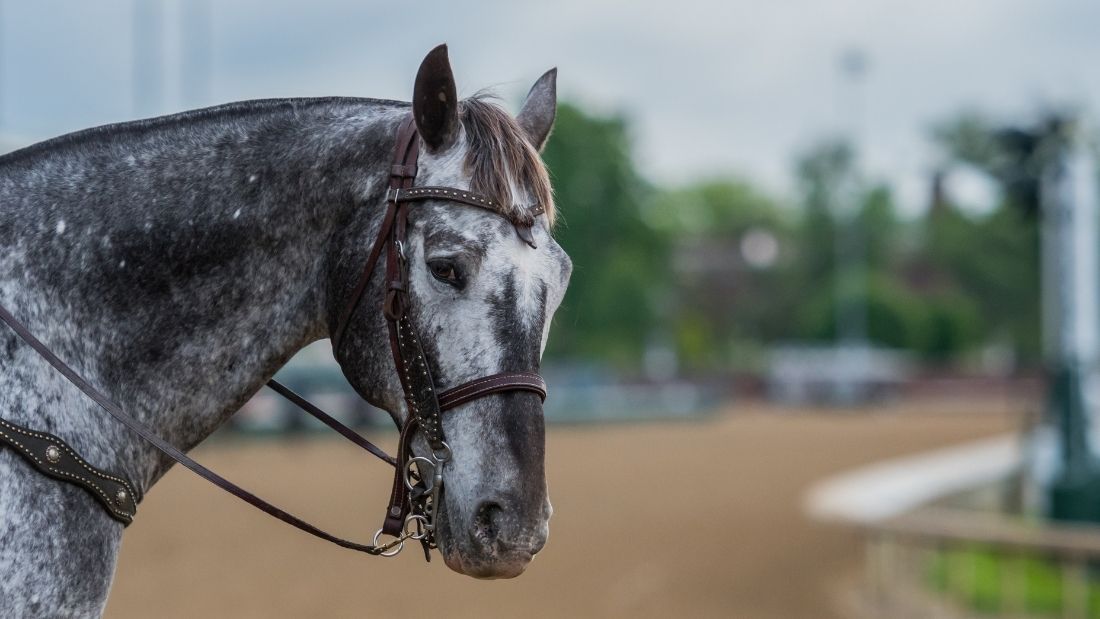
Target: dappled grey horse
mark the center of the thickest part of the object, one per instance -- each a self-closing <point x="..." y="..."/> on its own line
<point x="177" y="263"/>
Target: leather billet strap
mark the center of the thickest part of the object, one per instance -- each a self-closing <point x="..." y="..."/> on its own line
<point x="398" y="507"/>
<point x="54" y="457"/>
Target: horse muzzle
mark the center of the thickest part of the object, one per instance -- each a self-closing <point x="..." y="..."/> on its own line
<point x="498" y="540"/>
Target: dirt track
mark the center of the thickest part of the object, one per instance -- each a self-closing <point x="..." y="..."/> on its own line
<point x="655" y="520"/>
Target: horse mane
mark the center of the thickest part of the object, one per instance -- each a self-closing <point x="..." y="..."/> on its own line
<point x="223" y="112"/>
<point x="498" y="151"/>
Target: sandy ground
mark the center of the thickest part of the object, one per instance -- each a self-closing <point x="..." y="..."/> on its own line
<point x="654" y="520"/>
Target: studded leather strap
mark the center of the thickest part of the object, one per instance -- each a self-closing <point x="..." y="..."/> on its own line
<point x="453" y="195"/>
<point x="55" y="458"/>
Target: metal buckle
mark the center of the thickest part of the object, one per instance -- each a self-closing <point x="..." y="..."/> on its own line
<point x="393" y="194"/>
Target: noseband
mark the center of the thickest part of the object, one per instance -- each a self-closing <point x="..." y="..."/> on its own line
<point x="418" y="480"/>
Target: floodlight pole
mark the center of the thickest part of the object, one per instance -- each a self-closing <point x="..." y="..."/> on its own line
<point x="147" y="33"/>
<point x="851" y="250"/>
<point x="1070" y="207"/>
<point x="197" y="35"/>
<point x="849" y="241"/>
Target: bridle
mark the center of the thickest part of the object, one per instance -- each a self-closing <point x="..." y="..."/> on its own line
<point x="415" y="501"/>
<point x="416" y="495"/>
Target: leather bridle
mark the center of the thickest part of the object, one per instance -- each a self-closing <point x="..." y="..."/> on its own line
<point x="425" y="405"/>
<point x="418" y="480"/>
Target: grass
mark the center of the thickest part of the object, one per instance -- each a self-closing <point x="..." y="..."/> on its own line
<point x="988" y="581"/>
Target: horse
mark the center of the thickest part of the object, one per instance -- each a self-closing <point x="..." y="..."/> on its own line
<point x="178" y="262"/>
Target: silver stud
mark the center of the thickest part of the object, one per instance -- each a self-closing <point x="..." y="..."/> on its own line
<point x="121" y="496"/>
<point x="53" y="454"/>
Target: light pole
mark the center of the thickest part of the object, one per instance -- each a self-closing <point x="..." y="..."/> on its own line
<point x="1071" y="312"/>
<point x="851" y="314"/>
<point x="147" y="64"/>
<point x="197" y="41"/>
<point x="849" y="243"/>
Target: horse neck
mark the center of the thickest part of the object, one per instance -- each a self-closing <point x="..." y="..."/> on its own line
<point x="180" y="266"/>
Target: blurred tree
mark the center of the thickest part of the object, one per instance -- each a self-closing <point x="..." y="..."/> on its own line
<point x="883" y="231"/>
<point x="732" y="256"/>
<point x="896" y="316"/>
<point x="820" y="172"/>
<point x="829" y="185"/>
<point x="719" y="270"/>
<point x="620" y="274"/>
<point x="993" y="259"/>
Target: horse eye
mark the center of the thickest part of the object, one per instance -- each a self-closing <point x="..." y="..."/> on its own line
<point x="445" y="272"/>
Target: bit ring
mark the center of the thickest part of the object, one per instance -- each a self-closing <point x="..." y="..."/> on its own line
<point x="427" y="479"/>
<point x="424" y="522"/>
<point x="392" y="548"/>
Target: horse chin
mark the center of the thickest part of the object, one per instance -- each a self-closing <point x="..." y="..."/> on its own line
<point x="498" y="565"/>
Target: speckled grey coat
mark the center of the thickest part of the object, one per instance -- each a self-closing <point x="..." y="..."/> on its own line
<point x="177" y="263"/>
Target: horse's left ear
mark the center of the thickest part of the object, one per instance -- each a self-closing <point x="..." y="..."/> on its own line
<point x="435" y="102"/>
<point x="537" y="116"/>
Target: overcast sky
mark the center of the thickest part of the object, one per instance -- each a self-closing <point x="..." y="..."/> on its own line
<point x="711" y="87"/>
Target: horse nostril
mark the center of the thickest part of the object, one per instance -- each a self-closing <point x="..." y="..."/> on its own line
<point x="488" y="520"/>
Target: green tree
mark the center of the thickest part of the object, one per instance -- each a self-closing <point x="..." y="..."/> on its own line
<point x="993" y="259"/>
<point x="819" y="173"/>
<point x="620" y="274"/>
<point x="726" y="306"/>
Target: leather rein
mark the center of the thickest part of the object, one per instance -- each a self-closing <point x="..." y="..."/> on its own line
<point x="415" y="497"/>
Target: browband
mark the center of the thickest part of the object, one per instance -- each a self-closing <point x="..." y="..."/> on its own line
<point x="455" y="195"/>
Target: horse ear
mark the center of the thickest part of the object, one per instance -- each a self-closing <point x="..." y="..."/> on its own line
<point x="537" y="116"/>
<point x="435" y="103"/>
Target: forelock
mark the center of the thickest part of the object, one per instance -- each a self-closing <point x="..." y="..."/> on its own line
<point x="499" y="152"/>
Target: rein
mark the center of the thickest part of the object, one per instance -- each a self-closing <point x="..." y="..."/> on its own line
<point x="417" y="490"/>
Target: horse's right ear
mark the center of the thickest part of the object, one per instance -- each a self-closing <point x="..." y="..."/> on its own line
<point x="435" y="102"/>
<point x="537" y="116"/>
